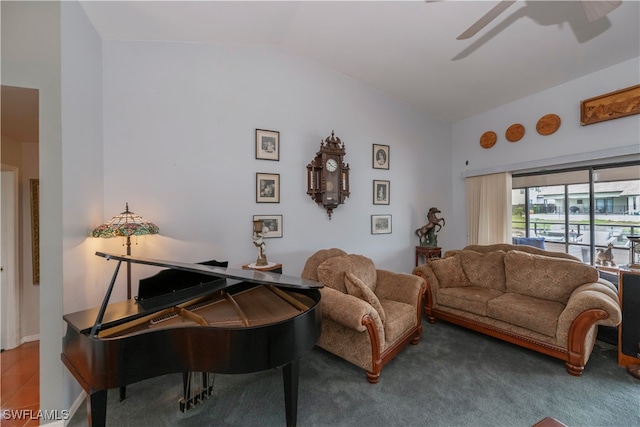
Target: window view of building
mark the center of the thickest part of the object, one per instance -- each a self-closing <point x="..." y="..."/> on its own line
<point x="582" y="212"/>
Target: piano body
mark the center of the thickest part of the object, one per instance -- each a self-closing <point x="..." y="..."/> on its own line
<point x="239" y="321"/>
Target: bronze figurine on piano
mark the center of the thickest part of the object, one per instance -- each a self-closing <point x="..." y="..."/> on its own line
<point x="193" y="318"/>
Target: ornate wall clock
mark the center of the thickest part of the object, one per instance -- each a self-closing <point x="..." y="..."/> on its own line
<point x="328" y="176"/>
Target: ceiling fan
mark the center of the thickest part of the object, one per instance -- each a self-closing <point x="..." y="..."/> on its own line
<point x="593" y="9"/>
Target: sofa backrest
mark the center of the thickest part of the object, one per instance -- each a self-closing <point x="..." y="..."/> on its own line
<point x="310" y="270"/>
<point x="484" y="269"/>
<point x="522" y="248"/>
<point x="540" y="276"/>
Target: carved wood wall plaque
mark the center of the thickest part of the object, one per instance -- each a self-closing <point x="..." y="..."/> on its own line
<point x="548" y="124"/>
<point x="514" y="133"/>
<point x="488" y="139"/>
<point x="613" y="105"/>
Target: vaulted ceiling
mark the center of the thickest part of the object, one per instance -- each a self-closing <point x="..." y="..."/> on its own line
<point x="406" y="49"/>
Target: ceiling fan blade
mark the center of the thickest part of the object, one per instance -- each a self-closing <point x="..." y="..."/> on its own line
<point x="488" y="17"/>
<point x="598" y="9"/>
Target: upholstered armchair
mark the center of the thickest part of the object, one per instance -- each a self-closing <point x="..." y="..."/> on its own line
<point x="368" y="315"/>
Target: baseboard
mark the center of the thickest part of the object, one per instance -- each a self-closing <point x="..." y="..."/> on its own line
<point x="74" y="407"/>
<point x="30" y="338"/>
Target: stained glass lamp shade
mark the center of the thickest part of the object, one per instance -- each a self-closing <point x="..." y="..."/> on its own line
<point x="126" y="224"/>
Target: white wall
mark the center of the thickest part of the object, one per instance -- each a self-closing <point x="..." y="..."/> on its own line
<point x="30" y="292"/>
<point x="571" y="143"/>
<point x="180" y="124"/>
<point x="31" y="59"/>
<point x="82" y="159"/>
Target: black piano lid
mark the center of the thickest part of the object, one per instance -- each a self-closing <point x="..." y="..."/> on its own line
<point x="251" y="276"/>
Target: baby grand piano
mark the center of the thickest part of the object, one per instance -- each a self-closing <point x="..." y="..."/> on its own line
<point x="239" y="321"/>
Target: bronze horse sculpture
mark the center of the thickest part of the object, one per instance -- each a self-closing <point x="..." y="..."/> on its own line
<point x="427" y="233"/>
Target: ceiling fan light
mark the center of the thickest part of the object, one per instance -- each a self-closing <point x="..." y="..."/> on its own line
<point x="598" y="9"/>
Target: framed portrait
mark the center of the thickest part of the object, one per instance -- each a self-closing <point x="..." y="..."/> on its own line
<point x="267" y="188"/>
<point x="381" y="195"/>
<point x="272" y="225"/>
<point x="380" y="156"/>
<point x="267" y="144"/>
<point x="380" y="224"/>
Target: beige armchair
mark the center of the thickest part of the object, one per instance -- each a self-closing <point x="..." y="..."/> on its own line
<point x="368" y="315"/>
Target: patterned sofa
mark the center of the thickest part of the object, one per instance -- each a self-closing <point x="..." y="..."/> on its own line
<point x="545" y="301"/>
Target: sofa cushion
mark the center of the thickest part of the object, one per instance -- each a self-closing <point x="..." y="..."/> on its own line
<point x="449" y="272"/>
<point x="484" y="269"/>
<point x="469" y="298"/>
<point x="331" y="272"/>
<point x="532" y="313"/>
<point x="400" y="317"/>
<point x="358" y="289"/>
<point x="545" y="277"/>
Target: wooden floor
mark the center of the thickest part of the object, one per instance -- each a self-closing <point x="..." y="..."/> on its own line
<point x="20" y="385"/>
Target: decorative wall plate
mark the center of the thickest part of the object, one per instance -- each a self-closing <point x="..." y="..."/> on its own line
<point x="548" y="124"/>
<point x="514" y="133"/>
<point x="488" y="139"/>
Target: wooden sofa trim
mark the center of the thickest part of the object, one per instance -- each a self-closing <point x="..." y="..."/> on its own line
<point x="574" y="356"/>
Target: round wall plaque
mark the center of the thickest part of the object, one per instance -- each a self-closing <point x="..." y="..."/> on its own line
<point x="488" y="139"/>
<point x="548" y="124"/>
<point x="514" y="133"/>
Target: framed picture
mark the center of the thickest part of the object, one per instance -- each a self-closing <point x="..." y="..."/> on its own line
<point x="380" y="156"/>
<point x="381" y="193"/>
<point x="267" y="188"/>
<point x="272" y="225"/>
<point x="35" y="229"/>
<point x="380" y="224"/>
<point x="613" y="105"/>
<point x="267" y="144"/>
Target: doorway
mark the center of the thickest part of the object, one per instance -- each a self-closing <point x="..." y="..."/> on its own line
<point x="19" y="294"/>
<point x="9" y="285"/>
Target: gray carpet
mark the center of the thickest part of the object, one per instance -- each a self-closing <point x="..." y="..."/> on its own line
<point x="453" y="377"/>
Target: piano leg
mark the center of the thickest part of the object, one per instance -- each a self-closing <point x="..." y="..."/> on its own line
<point x="97" y="408"/>
<point x="290" y="374"/>
<point x="123" y="393"/>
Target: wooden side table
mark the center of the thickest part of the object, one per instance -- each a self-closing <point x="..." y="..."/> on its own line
<point x="428" y="252"/>
<point x="274" y="267"/>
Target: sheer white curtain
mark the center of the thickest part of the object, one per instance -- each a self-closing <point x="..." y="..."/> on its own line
<point x="489" y="209"/>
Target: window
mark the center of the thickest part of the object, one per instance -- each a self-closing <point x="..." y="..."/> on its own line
<point x="580" y="211"/>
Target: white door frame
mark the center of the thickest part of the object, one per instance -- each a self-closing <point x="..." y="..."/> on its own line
<point x="9" y="249"/>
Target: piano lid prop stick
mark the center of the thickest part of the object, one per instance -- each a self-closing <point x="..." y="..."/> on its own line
<point x="288" y="298"/>
<point x="105" y="302"/>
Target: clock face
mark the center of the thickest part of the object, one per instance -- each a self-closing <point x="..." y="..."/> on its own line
<point x="332" y="165"/>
